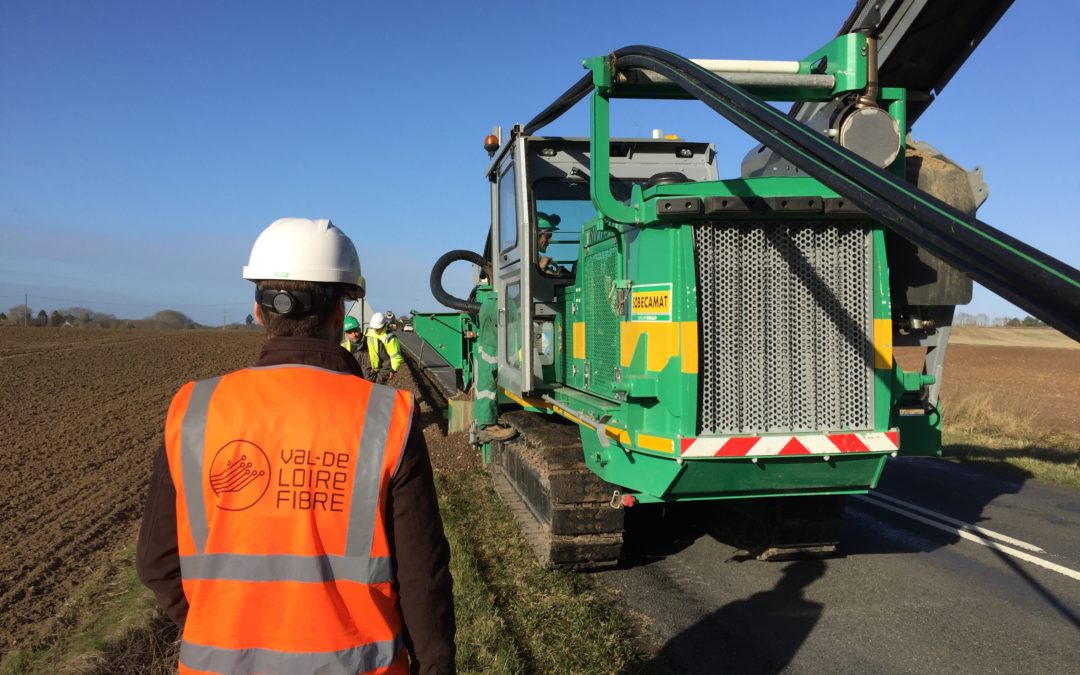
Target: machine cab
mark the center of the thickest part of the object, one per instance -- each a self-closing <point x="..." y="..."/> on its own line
<point x="541" y="214"/>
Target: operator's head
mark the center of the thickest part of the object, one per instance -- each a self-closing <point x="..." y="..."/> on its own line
<point x="546" y="224"/>
<point x="303" y="271"/>
<point x="352" y="328"/>
<point x="378" y="321"/>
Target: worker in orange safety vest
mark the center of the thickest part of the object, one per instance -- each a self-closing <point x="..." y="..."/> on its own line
<point x="292" y="524"/>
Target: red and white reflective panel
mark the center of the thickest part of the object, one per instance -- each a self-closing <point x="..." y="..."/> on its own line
<point x="804" y="444"/>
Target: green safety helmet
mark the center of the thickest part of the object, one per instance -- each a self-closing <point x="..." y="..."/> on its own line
<point x="351" y="324"/>
<point x="547" y="223"/>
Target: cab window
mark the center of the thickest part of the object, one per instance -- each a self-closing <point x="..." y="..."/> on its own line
<point x="557" y="252"/>
<point x="507" y="210"/>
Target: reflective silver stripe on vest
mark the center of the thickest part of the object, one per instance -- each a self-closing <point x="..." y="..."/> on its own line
<point x="250" y="661"/>
<point x="369" y="461"/>
<point x="485" y="357"/>
<point x="355" y="565"/>
<point x="192" y="436"/>
<point x="302" y="568"/>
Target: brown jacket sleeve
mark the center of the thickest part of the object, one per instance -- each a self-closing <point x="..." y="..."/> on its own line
<point x="422" y="559"/>
<point x="157" y="558"/>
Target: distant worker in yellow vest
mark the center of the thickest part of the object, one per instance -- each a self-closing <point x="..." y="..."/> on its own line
<point x="384" y="350"/>
<point x="292" y="524"/>
<point x="391" y="321"/>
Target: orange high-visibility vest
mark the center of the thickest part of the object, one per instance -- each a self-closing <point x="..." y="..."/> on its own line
<point x="282" y="476"/>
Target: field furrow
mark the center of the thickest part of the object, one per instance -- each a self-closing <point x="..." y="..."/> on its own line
<point x="81" y="413"/>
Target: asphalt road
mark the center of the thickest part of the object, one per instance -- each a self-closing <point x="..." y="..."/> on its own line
<point x="906" y="594"/>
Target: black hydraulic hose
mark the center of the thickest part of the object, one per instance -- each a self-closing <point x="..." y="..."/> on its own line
<point x="1044" y="286"/>
<point x="441" y="264"/>
<point x="570" y="97"/>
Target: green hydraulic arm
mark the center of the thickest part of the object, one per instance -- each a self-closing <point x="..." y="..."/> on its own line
<point x="1042" y="285"/>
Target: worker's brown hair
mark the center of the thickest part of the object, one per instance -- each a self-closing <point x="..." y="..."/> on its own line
<point x="278" y="325"/>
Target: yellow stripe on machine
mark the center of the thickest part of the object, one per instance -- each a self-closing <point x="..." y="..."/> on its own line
<point x="527" y="402"/>
<point x="883" y="347"/>
<point x="621" y="435"/>
<point x="657" y="443"/>
<point x="579" y="339"/>
<point x="688" y="333"/>
<point x="618" y="434"/>
<point x="664" y="341"/>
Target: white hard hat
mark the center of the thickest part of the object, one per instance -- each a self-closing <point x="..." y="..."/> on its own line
<point x="377" y="320"/>
<point x="299" y="249"/>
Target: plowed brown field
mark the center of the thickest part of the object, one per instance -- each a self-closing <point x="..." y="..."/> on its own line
<point x="1029" y="374"/>
<point x="81" y="413"/>
<point x="1038" y="384"/>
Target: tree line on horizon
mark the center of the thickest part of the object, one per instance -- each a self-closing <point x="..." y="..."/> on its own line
<point x="966" y="319"/>
<point x="82" y="317"/>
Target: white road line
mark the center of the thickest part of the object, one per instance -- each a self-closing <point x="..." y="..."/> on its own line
<point x="1046" y="564"/>
<point x="989" y="534"/>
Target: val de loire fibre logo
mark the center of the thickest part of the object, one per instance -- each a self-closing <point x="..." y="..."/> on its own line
<point x="239" y="475"/>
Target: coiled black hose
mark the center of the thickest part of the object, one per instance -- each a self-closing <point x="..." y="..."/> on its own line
<point x="437" y="271"/>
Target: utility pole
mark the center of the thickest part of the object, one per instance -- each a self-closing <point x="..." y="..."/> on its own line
<point x="26" y="309"/>
<point x="222" y="319"/>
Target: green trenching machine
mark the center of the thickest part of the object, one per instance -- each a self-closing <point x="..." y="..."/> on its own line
<point x="698" y="338"/>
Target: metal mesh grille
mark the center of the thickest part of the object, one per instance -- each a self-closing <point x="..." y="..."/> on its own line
<point x="602" y="313"/>
<point x="785" y="319"/>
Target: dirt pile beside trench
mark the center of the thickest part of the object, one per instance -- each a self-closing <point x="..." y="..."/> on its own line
<point x="449" y="453"/>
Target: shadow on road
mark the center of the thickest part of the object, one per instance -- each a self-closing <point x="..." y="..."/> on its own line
<point x="993" y="459"/>
<point x="763" y="632"/>
<point x="656" y="532"/>
<point x="958" y="491"/>
<point x="760" y="634"/>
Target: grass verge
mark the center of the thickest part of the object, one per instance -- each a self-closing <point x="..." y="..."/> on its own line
<point x="110" y="624"/>
<point x="978" y="431"/>
<point x="514" y="616"/>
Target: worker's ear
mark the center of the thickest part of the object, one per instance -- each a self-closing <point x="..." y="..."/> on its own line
<point x="336" y="321"/>
<point x="257" y="313"/>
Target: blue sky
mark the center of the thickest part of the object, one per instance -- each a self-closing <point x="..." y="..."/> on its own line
<point x="144" y="145"/>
